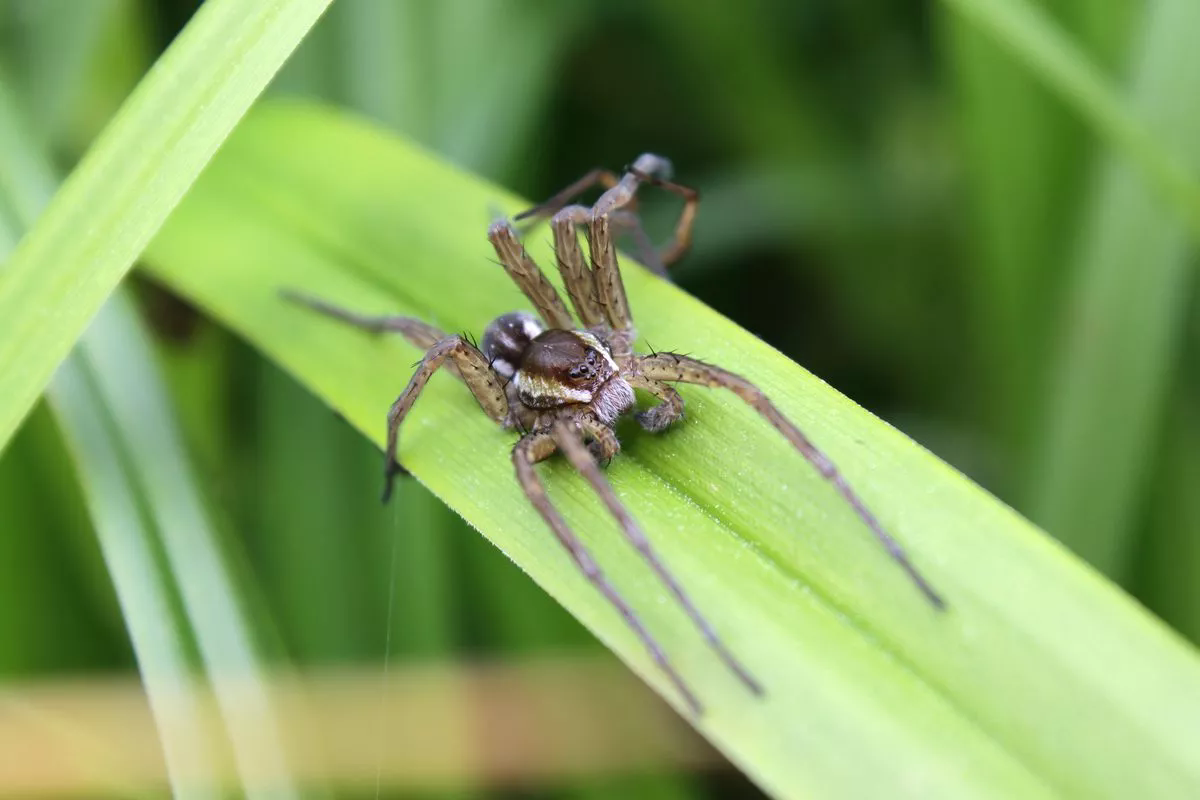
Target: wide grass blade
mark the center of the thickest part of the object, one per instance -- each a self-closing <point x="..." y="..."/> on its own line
<point x="1042" y="678"/>
<point x="130" y="180"/>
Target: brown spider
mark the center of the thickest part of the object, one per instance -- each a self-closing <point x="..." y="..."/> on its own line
<point x="563" y="387"/>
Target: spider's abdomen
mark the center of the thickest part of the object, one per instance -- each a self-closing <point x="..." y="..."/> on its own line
<point x="506" y="339"/>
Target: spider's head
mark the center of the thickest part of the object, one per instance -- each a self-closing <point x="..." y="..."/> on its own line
<point x="563" y="367"/>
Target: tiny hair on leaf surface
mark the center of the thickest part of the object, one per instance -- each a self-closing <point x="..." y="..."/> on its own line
<point x="1041" y="679"/>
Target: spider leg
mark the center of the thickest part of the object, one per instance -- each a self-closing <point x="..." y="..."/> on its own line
<point x="536" y="447"/>
<point x="576" y="274"/>
<point x="599" y="176"/>
<point x="610" y="289"/>
<point x="647" y="255"/>
<point x="655" y="170"/>
<point x="681" y="369"/>
<point x="604" y="445"/>
<point x="570" y="443"/>
<point x="528" y="277"/>
<point x="475" y="371"/>
<point x="658" y="417"/>
<point x="622" y="192"/>
<point x="681" y="241"/>
<point x="421" y="334"/>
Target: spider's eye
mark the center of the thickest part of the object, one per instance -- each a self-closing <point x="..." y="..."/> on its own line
<point x="591" y="356"/>
<point x="580" y="371"/>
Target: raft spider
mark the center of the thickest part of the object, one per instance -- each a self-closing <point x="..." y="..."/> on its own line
<point x="563" y="386"/>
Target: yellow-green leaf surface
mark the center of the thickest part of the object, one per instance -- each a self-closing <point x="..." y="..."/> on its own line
<point x="1040" y="680"/>
<point x="132" y="176"/>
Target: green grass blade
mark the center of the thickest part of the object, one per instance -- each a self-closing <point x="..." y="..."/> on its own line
<point x="1024" y="153"/>
<point x="1041" y="678"/>
<point x="129" y="181"/>
<point x="1026" y="31"/>
<point x="111" y="402"/>
<point x="125" y="535"/>
<point x="115" y="503"/>
<point x="1124" y="318"/>
<point x="1167" y="577"/>
<point x="127" y="380"/>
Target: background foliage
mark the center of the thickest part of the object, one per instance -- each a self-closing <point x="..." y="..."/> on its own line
<point x="890" y="197"/>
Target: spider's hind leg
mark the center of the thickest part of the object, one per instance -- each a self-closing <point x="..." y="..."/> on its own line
<point x="681" y="369"/>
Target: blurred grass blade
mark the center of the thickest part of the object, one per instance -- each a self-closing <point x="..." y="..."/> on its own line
<point x="1024" y="153"/>
<point x="1124" y="318"/>
<point x="117" y="510"/>
<point x="127" y="379"/>
<point x="125" y="536"/>
<point x="1041" y="679"/>
<point x="54" y="40"/>
<point x="1035" y="41"/>
<point x="1167" y="574"/>
<point x="129" y="181"/>
<point x="113" y="407"/>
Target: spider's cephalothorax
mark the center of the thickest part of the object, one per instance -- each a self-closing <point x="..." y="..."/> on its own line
<point x="564" y="384"/>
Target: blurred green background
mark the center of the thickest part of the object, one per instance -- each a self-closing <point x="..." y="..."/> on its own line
<point x="888" y="197"/>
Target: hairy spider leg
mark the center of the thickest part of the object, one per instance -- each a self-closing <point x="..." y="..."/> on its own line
<point x="660" y="415"/>
<point x="570" y="443"/>
<point x="610" y="288"/>
<point x="421" y="334"/>
<point x="604" y="444"/>
<point x="681" y="369"/>
<point x="535" y="447"/>
<point x="647" y="254"/>
<point x="528" y="277"/>
<point x="622" y="193"/>
<point x="576" y="274"/>
<point x="656" y="171"/>
<point x="597" y="177"/>
<point x="654" y="174"/>
<point x="473" y="367"/>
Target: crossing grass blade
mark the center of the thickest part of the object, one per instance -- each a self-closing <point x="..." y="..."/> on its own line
<point x="1040" y="679"/>
<point x="131" y="178"/>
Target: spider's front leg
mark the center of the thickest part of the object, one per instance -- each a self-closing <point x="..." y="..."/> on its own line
<point x="663" y="367"/>
<point x="656" y="171"/>
<point x="472" y="366"/>
<point x="620" y="199"/>
<point x="529" y="279"/>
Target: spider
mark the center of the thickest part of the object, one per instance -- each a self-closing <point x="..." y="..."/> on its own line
<point x="563" y="386"/>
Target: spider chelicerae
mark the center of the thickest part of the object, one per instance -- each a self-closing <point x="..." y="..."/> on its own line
<point x="563" y="386"/>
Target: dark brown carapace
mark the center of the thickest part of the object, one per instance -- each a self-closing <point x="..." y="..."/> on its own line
<point x="564" y="385"/>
